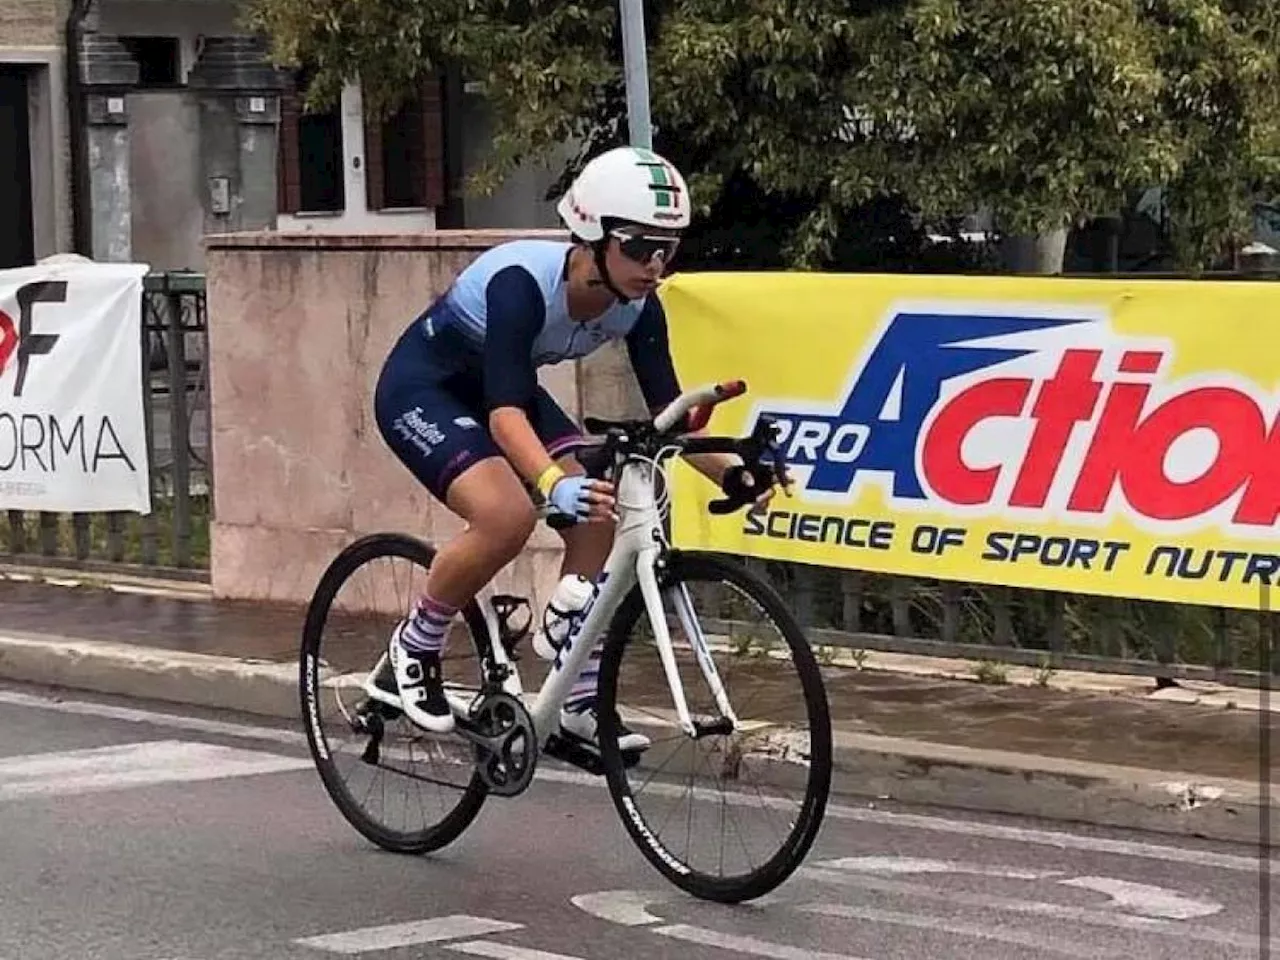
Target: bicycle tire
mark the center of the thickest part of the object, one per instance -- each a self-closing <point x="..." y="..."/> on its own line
<point x="693" y="567"/>
<point x="350" y="559"/>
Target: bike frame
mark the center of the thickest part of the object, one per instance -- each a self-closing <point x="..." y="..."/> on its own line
<point x="638" y="543"/>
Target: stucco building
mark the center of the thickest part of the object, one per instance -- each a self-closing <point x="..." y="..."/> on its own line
<point x="131" y="128"/>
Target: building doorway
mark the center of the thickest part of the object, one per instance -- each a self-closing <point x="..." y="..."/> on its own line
<point x="17" y="235"/>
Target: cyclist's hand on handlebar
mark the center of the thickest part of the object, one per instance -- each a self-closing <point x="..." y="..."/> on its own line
<point x="584" y="499"/>
<point x="738" y="482"/>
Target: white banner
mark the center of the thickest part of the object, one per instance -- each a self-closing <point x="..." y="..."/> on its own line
<point x="72" y="433"/>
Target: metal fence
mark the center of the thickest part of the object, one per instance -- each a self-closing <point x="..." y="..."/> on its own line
<point x="173" y="540"/>
<point x="994" y="626"/>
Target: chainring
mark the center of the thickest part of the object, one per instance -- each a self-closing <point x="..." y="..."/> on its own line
<point x="507" y="759"/>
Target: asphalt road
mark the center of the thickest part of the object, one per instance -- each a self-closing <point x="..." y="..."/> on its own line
<point x="131" y="834"/>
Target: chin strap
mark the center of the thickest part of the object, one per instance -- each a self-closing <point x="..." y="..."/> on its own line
<point x="598" y="249"/>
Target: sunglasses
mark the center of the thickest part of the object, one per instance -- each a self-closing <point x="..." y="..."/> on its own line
<point x="642" y="248"/>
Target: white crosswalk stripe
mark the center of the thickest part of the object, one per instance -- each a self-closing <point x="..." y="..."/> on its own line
<point x="132" y="765"/>
<point x="506" y="951"/>
<point x="751" y="946"/>
<point x="411" y="934"/>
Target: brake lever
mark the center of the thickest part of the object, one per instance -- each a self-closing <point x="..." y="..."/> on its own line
<point x="763" y="437"/>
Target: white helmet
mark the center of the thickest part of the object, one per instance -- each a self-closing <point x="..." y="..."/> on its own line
<point x="627" y="184"/>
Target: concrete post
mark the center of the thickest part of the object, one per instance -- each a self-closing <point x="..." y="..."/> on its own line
<point x="239" y="97"/>
<point x="107" y="73"/>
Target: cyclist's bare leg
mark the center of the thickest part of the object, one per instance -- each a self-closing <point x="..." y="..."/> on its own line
<point x="500" y="519"/>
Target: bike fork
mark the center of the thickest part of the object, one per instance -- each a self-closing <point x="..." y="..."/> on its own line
<point x="684" y="607"/>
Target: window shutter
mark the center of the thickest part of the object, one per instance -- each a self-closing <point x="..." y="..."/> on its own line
<point x="375" y="181"/>
<point x="433" y="147"/>
<point x="289" y="167"/>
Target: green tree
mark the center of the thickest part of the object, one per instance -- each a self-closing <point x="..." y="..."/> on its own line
<point x="1045" y="113"/>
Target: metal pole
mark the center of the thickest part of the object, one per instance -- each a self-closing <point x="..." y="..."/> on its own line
<point x="635" y="65"/>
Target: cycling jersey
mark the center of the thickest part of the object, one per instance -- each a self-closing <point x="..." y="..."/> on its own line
<point x="478" y="347"/>
<point x="510" y="305"/>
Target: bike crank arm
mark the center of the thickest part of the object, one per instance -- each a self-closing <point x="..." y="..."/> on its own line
<point x="491" y="743"/>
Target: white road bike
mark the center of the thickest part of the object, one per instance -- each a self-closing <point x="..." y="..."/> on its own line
<point x="506" y="733"/>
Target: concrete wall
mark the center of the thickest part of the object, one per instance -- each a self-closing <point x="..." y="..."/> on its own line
<point x="32" y="23"/>
<point x="299" y="327"/>
<point x="165" y="176"/>
<point x="164" y="167"/>
<point x="518" y="203"/>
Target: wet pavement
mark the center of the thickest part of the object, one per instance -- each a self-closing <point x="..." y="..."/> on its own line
<point x="139" y="835"/>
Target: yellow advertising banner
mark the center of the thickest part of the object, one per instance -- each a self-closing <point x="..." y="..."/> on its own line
<point x="1098" y="436"/>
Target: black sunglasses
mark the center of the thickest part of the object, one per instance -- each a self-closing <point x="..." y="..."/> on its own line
<point x="642" y="248"/>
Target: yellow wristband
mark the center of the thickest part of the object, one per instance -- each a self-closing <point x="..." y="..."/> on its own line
<point x="547" y="479"/>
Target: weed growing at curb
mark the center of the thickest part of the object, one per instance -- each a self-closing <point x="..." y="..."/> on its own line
<point x="991" y="671"/>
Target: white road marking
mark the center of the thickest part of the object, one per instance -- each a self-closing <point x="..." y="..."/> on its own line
<point x="504" y="951"/>
<point x="976" y="931"/>
<point x="759" y="948"/>
<point x="393" y="935"/>
<point x="107" y="711"/>
<point x="1056" y="911"/>
<point x="1051" y="838"/>
<point x="1149" y="901"/>
<point x="131" y="765"/>
<point x="970" y="828"/>
<point x="625" y="907"/>
<point x="919" y="865"/>
<point x="1141" y="898"/>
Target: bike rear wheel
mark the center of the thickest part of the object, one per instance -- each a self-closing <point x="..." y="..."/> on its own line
<point x="346" y="636"/>
<point x="751" y="636"/>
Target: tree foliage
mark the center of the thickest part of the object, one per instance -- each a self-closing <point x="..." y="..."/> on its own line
<point x="1044" y="113"/>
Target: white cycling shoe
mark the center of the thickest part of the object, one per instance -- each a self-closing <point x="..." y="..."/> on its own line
<point x="420" y="685"/>
<point x="582" y="727"/>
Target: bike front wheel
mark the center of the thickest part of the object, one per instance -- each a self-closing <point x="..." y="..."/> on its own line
<point x="778" y="760"/>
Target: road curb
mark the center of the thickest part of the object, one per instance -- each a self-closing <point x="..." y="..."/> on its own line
<point x="866" y="766"/>
<point x="257" y="687"/>
<point x="998" y="781"/>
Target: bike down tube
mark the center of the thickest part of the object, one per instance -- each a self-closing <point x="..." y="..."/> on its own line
<point x="618" y="578"/>
<point x="698" y="643"/>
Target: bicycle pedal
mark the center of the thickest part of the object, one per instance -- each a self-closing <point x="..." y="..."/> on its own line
<point x="585" y="759"/>
<point x="558" y="748"/>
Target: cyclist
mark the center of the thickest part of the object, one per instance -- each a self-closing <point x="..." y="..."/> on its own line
<point x="458" y="402"/>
